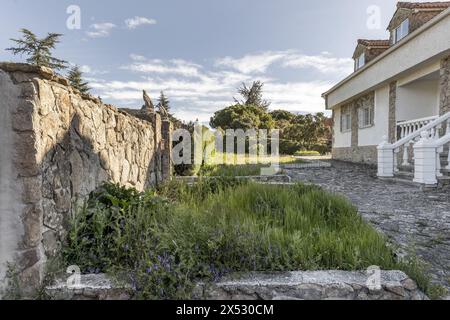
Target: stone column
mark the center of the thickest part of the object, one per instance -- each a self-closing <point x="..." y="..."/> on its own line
<point x="392" y="112"/>
<point x="21" y="215"/>
<point x="156" y="175"/>
<point x="166" y="153"/>
<point x="355" y="126"/>
<point x="444" y="104"/>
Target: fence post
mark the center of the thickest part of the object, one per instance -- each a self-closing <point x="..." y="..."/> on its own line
<point x="385" y="159"/>
<point x="425" y="160"/>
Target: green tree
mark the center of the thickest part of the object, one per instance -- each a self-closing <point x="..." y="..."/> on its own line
<point x="39" y="51"/>
<point x="164" y="101"/>
<point x="242" y="117"/>
<point x="282" y="115"/>
<point x="308" y="130"/>
<point x="253" y="96"/>
<point x="75" y="78"/>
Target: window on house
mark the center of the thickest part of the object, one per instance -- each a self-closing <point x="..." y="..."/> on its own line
<point x="346" y="119"/>
<point x="401" y="31"/>
<point x="360" y="61"/>
<point x="365" y="117"/>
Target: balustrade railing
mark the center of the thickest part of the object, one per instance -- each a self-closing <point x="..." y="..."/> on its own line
<point x="405" y="128"/>
<point x="435" y="130"/>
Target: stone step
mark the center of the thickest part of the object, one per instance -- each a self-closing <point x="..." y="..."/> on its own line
<point x="408" y="175"/>
<point x="444" y="181"/>
<point x="408" y="168"/>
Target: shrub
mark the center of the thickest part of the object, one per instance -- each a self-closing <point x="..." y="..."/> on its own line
<point x="167" y="240"/>
<point x="303" y="153"/>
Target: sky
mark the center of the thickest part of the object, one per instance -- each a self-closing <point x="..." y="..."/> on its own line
<point x="200" y="51"/>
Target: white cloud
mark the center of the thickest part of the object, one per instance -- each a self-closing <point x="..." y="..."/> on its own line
<point x="89" y="70"/>
<point x="324" y="63"/>
<point x="136" y="57"/>
<point x="255" y="63"/>
<point x="101" y="30"/>
<point x="152" y="66"/>
<point x="197" y="91"/>
<point x="135" y="22"/>
<point x="297" y="96"/>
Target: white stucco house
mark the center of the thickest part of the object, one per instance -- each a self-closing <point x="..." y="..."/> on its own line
<point x="394" y="110"/>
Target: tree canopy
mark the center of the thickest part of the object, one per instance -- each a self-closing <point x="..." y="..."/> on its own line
<point x="164" y="101"/>
<point x="75" y="78"/>
<point x="242" y="117"/>
<point x="39" y="51"/>
<point x="252" y="96"/>
<point x="297" y="131"/>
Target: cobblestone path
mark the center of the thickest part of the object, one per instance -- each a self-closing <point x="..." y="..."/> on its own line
<point x="411" y="218"/>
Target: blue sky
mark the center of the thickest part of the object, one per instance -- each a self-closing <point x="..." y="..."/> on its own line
<point x="200" y="51"/>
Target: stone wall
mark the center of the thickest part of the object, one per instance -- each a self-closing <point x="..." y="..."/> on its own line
<point x="392" y="112"/>
<point x="62" y="145"/>
<point x="366" y="154"/>
<point x="315" y="285"/>
<point x="444" y="105"/>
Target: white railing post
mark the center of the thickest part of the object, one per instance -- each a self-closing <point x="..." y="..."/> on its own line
<point x="405" y="155"/>
<point x="425" y="160"/>
<point x="439" y="150"/>
<point x="448" y="160"/>
<point x="385" y="159"/>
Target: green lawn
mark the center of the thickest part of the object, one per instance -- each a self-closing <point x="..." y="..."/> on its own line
<point x="240" y="170"/>
<point x="166" y="240"/>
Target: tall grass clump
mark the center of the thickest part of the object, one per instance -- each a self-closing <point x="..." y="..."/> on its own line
<point x="166" y="240"/>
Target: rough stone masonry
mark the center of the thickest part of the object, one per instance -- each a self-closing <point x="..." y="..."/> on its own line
<point x="56" y="147"/>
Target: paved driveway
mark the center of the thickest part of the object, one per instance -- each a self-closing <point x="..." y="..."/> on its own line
<point x="409" y="217"/>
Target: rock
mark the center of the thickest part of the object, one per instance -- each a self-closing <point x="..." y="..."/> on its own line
<point x="77" y="172"/>
<point x="27" y="258"/>
<point x="125" y="172"/>
<point x="32" y="192"/>
<point x="50" y="243"/>
<point x="317" y="285"/>
<point x="409" y="284"/>
<point x="32" y="222"/>
<point x="92" y="287"/>
<point x="44" y="72"/>
<point x="22" y="118"/>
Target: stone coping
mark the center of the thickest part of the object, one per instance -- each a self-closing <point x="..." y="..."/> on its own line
<point x="307" y="285"/>
<point x="49" y="74"/>
<point x="311" y="285"/>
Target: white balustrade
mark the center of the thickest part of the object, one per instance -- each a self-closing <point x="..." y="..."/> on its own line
<point x="428" y="132"/>
<point x="410" y="126"/>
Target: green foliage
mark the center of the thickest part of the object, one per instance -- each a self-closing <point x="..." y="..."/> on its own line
<point x="242" y="117"/>
<point x="75" y="78"/>
<point x="253" y="96"/>
<point x="164" y="101"/>
<point x="232" y="170"/>
<point x="13" y="290"/>
<point x="308" y="130"/>
<point x="168" y="240"/>
<point x="38" y="50"/>
<point x="305" y="153"/>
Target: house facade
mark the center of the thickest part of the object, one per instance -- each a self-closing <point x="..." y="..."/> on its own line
<point x="400" y="88"/>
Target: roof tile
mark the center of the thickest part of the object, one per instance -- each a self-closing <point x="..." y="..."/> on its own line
<point x="424" y="5"/>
